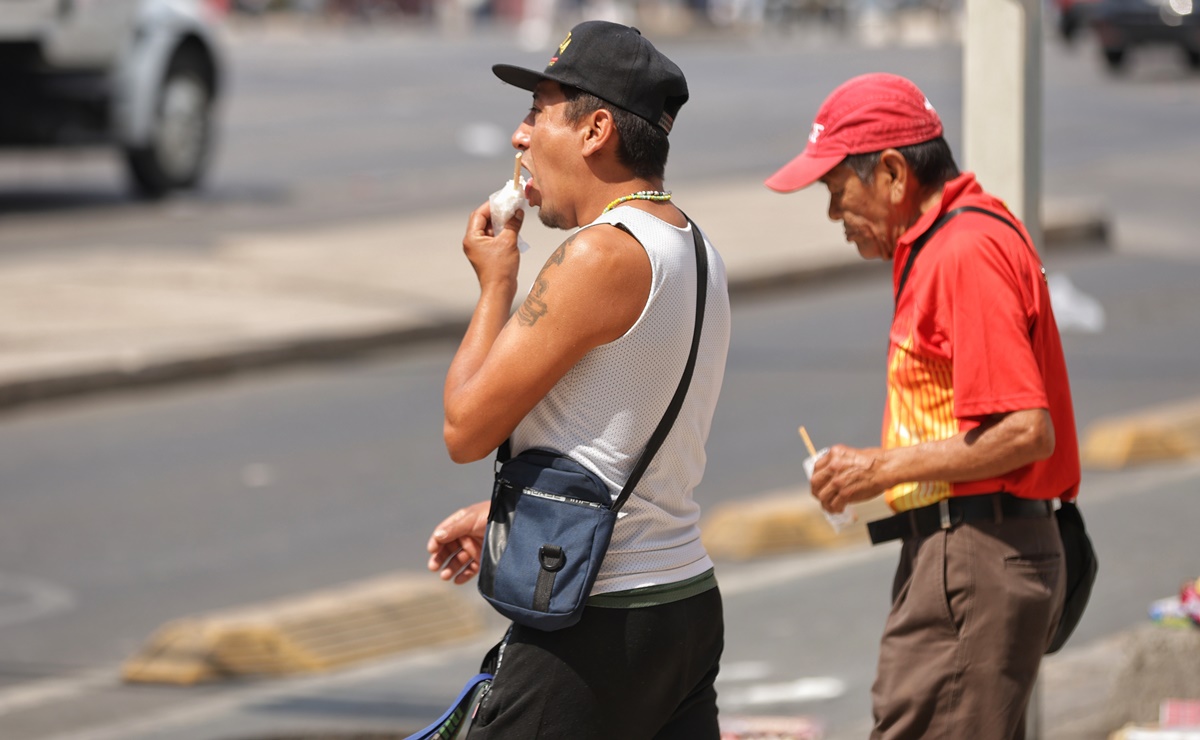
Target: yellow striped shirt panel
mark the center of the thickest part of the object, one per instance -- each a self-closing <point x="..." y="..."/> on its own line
<point x="920" y="408"/>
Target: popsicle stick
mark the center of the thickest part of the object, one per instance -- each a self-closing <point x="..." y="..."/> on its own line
<point x="808" y="442"/>
<point x="517" y="172"/>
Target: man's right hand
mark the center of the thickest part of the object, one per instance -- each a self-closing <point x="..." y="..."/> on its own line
<point x="495" y="257"/>
<point x="456" y="543"/>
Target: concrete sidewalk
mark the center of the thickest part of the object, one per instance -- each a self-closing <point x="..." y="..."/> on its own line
<point x="116" y="318"/>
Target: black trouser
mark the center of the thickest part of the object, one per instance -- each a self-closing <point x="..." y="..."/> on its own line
<point x="631" y="674"/>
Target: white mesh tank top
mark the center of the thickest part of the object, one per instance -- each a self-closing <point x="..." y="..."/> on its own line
<point x="603" y="411"/>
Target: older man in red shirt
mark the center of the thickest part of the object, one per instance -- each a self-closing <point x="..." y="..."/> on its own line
<point x="978" y="428"/>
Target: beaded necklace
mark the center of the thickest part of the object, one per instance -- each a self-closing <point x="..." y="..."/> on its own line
<point x="660" y="196"/>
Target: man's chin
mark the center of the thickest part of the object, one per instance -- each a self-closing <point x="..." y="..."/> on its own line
<point x="552" y="220"/>
<point x="868" y="251"/>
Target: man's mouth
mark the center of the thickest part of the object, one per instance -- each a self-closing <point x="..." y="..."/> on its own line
<point x="532" y="195"/>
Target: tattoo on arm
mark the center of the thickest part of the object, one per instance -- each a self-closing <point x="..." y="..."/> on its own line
<point x="534" y="307"/>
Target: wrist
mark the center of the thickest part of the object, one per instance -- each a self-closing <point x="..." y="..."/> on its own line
<point x="502" y="287"/>
<point x="889" y="471"/>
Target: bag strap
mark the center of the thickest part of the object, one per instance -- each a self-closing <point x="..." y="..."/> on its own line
<point x="668" y="420"/>
<point x="947" y="216"/>
<point x="673" y="408"/>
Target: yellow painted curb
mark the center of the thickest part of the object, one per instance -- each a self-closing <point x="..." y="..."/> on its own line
<point x="779" y="522"/>
<point x="1169" y="432"/>
<point x="314" y="632"/>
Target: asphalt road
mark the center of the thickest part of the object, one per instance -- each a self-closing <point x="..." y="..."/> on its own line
<point x="122" y="512"/>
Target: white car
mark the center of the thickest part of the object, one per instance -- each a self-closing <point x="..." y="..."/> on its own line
<point x="141" y="75"/>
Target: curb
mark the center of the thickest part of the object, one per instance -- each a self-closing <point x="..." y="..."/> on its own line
<point x="221" y="362"/>
<point x="781" y="522"/>
<point x="312" y="632"/>
<point x="1168" y="432"/>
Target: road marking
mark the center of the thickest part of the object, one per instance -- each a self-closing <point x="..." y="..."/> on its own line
<point x="484" y="140"/>
<point x="36" y="598"/>
<point x="791" y="692"/>
<point x="42" y="692"/>
<point x="258" y="475"/>
<point x="746" y="670"/>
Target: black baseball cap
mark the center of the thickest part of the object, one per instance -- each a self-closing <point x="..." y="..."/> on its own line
<point x="616" y="64"/>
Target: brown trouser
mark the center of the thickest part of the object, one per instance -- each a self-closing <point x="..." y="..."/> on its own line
<point x="973" y="610"/>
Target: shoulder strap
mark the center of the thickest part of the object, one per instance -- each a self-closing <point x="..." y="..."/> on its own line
<point x="668" y="420"/>
<point x="945" y="217"/>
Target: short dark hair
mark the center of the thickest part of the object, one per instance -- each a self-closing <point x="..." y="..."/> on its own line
<point x="642" y="146"/>
<point x="931" y="161"/>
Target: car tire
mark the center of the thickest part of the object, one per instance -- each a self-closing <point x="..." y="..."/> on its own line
<point x="1115" y="59"/>
<point x="176" y="154"/>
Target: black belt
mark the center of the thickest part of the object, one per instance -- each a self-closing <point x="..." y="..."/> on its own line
<point x="949" y="513"/>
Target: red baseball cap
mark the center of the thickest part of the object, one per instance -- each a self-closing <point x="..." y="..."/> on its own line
<point x="865" y="114"/>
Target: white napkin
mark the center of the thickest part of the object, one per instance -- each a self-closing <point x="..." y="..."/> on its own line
<point x="505" y="203"/>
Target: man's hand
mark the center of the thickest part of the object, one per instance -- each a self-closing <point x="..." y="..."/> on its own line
<point x="495" y="257"/>
<point x="847" y="475"/>
<point x="456" y="543"/>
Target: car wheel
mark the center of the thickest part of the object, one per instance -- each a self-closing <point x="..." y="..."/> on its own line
<point x="177" y="151"/>
<point x="1115" y="59"/>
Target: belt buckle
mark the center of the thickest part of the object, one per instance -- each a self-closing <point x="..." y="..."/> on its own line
<point x="944" y="513"/>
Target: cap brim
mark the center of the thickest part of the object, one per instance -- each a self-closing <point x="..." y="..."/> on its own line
<point x="801" y="172"/>
<point x="526" y="79"/>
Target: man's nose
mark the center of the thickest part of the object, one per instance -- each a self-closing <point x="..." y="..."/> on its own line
<point x="520" y="137"/>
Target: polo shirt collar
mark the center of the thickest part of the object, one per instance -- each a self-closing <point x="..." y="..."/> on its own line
<point x="963" y="185"/>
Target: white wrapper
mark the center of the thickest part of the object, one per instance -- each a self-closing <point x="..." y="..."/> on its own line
<point x="837" y="521"/>
<point x="505" y="203"/>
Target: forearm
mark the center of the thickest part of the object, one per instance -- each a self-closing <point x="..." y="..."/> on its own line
<point x="1001" y="444"/>
<point x="460" y="404"/>
<point x="998" y="446"/>
<point x="487" y="321"/>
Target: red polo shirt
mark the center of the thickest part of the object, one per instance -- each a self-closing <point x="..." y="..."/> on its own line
<point x="974" y="335"/>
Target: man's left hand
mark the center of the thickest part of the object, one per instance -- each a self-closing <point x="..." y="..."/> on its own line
<point x="847" y="475"/>
<point x="455" y="544"/>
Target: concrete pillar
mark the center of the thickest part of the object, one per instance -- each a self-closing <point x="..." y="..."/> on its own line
<point x="1002" y="103"/>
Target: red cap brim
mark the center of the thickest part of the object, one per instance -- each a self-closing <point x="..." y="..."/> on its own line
<point x="801" y="172"/>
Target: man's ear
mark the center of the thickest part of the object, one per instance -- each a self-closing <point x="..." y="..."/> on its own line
<point x="596" y="130"/>
<point x="893" y="168"/>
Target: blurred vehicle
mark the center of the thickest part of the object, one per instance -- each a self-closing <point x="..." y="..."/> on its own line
<point x="140" y="75"/>
<point x="1121" y="25"/>
<point x="1072" y="17"/>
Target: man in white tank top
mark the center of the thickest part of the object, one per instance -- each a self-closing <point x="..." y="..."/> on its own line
<point x="586" y="367"/>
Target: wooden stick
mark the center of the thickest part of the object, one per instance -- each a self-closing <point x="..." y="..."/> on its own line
<point x="808" y="442"/>
<point x="517" y="172"/>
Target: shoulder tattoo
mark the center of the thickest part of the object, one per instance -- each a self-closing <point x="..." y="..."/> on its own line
<point x="534" y="306"/>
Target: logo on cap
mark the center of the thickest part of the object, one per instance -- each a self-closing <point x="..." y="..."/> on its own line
<point x="816" y="131"/>
<point x="561" y="48"/>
